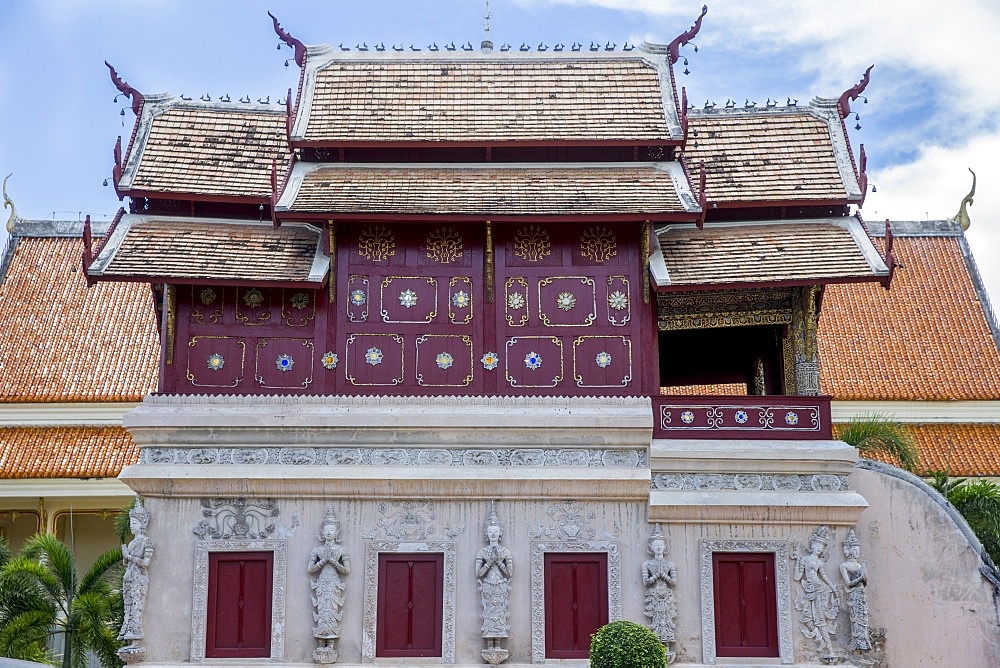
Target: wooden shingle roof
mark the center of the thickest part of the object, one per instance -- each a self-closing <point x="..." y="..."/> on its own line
<point x="789" y="252"/>
<point x="181" y="250"/>
<point x="205" y="149"/>
<point x="772" y="155"/>
<point x="475" y="97"/>
<point x="63" y="342"/>
<point x="488" y="190"/>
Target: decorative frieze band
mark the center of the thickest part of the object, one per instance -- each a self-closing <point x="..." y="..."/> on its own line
<point x="750" y="482"/>
<point x="503" y="457"/>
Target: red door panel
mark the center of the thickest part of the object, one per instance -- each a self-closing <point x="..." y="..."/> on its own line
<point x="745" y="606"/>
<point x="576" y="602"/>
<point x="239" y="605"/>
<point x="410" y="603"/>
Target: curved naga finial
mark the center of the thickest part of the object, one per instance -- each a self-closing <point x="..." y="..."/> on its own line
<point x="674" y="48"/>
<point x="300" y="48"/>
<point x="126" y="90"/>
<point x="963" y="214"/>
<point x="8" y="204"/>
<point x="852" y="93"/>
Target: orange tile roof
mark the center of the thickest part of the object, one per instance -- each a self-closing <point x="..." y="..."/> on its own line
<point x="65" y="452"/>
<point x="800" y="251"/>
<point x="194" y="148"/>
<point x="63" y="342"/>
<point x="764" y="157"/>
<point x="926" y="338"/>
<point x="455" y="99"/>
<point x="177" y="250"/>
<point x="971" y="449"/>
<point x="468" y="190"/>
<point x="718" y="389"/>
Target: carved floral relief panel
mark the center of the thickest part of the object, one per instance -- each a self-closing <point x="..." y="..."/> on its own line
<point x="374" y="359"/>
<point x="358" y="298"/>
<point x="216" y="361"/>
<point x="298" y="307"/>
<point x="602" y="361"/>
<point x="567" y="301"/>
<point x="408" y="299"/>
<point x="285" y="363"/>
<point x="253" y="305"/>
<point x="534" y="361"/>
<point x="516" y="309"/>
<point x="460" y="300"/>
<point x="444" y="360"/>
<point x="207" y="304"/>
<point x="619" y="301"/>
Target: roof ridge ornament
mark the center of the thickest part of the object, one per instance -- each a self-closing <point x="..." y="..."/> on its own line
<point x="298" y="46"/>
<point x="126" y="90"/>
<point x="674" y="48"/>
<point x="962" y="217"/>
<point x="852" y="93"/>
<point x="9" y="204"/>
<point x="486" y="44"/>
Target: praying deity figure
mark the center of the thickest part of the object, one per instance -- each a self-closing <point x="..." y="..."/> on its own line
<point x="660" y="576"/>
<point x="328" y="562"/>
<point x="494" y="566"/>
<point x="135" y="583"/>
<point x="817" y="602"/>
<point x="855" y="577"/>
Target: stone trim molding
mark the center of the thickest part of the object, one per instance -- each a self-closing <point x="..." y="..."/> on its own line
<point x="384" y="400"/>
<point x="749" y="482"/>
<point x="783" y="594"/>
<point x="538" y="550"/>
<point x="335" y="456"/>
<point x="199" y="607"/>
<point x="374" y="548"/>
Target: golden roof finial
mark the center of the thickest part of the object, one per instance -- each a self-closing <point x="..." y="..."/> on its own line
<point x="962" y="216"/>
<point x="8" y="204"/>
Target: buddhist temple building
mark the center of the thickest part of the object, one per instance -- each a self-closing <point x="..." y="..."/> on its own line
<point x="464" y="353"/>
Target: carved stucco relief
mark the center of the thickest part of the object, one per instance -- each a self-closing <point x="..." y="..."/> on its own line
<point x="371" y="594"/>
<point x="783" y="590"/>
<point x="199" y="611"/>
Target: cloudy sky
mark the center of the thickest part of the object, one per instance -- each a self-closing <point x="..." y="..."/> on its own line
<point x="931" y="111"/>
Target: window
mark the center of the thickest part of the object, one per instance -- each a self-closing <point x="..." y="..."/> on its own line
<point x="745" y="604"/>
<point x="410" y="603"/>
<point x="576" y="602"/>
<point x="239" y="604"/>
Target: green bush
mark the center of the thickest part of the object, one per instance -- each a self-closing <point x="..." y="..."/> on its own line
<point x="626" y="645"/>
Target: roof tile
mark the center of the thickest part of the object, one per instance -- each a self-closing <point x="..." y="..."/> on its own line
<point x="65" y="452"/>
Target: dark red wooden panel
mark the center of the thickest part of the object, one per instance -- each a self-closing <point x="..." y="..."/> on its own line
<point x="239" y="604"/>
<point x="576" y="602"/>
<point x="745" y="606"/>
<point x="410" y="604"/>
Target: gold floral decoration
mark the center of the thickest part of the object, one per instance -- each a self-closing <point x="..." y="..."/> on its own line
<point x="253" y="298"/>
<point x="299" y="300"/>
<point x="598" y="244"/>
<point x="444" y="245"/>
<point x="207" y="296"/>
<point x="532" y="243"/>
<point x="377" y="243"/>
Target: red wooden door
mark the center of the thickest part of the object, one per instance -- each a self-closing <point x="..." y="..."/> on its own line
<point x="410" y="602"/>
<point x="746" y="621"/>
<point x="239" y="604"/>
<point x="576" y="602"/>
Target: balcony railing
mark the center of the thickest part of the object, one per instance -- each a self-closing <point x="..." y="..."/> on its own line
<point x="745" y="417"/>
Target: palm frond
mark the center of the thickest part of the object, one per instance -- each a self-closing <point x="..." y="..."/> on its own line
<point x="28" y="575"/>
<point x="107" y="568"/>
<point x="5" y="552"/>
<point x="122" y="528"/>
<point x="51" y="551"/>
<point x="877" y="434"/>
<point x="24" y="637"/>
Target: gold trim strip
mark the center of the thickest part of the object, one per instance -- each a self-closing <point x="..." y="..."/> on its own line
<point x="171" y="297"/>
<point x="644" y="244"/>
<point x="332" y="282"/>
<point x="488" y="278"/>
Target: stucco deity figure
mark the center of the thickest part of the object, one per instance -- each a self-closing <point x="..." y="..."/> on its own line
<point x="817" y="602"/>
<point x="328" y="563"/>
<point x="660" y="576"/>
<point x="136" y="556"/>
<point x="855" y="577"/>
<point x="494" y="566"/>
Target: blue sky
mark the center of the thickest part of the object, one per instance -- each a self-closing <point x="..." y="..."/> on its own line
<point x="931" y="111"/>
